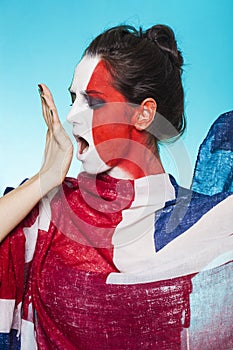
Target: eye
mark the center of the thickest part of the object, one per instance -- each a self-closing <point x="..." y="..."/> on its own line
<point x="73" y="97"/>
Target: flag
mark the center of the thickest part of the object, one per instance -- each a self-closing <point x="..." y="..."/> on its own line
<point x="107" y="263"/>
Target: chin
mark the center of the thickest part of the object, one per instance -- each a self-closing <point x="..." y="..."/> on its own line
<point x="90" y="169"/>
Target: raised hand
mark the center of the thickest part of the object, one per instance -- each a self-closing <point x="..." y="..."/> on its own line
<point x="57" y="158"/>
<point x="59" y="149"/>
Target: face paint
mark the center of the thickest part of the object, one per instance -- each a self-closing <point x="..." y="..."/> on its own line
<point x="81" y="115"/>
<point x="98" y="114"/>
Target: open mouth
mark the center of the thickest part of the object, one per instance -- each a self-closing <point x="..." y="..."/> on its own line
<point x="83" y="144"/>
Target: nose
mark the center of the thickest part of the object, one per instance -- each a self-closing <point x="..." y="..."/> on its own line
<point x="76" y="111"/>
<point x="70" y="115"/>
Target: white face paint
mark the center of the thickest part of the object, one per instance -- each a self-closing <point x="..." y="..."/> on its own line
<point x="81" y="116"/>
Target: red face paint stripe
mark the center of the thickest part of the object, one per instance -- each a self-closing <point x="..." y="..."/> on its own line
<point x="111" y="126"/>
<point x="101" y="81"/>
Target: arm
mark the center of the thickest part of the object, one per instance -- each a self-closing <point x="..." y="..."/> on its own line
<point x="57" y="159"/>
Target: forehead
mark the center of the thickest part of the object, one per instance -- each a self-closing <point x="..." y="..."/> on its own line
<point x="92" y="75"/>
<point x="83" y="73"/>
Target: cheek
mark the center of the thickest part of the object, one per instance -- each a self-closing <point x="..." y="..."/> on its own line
<point x="111" y="132"/>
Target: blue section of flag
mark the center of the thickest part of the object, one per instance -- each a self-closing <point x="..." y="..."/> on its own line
<point x="211" y="306"/>
<point x="180" y="214"/>
<point x="9" y="189"/>
<point x="10" y="341"/>
<point x="213" y="170"/>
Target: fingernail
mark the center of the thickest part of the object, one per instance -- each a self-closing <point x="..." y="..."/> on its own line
<point x="40" y="89"/>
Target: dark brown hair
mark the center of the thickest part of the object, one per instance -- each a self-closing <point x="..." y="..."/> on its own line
<point x="145" y="64"/>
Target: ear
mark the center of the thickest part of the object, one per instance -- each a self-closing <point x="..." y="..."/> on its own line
<point x="145" y="114"/>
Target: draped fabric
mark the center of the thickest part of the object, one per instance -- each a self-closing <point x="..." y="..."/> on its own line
<point x="214" y="289"/>
<point x="213" y="171"/>
<point x="103" y="263"/>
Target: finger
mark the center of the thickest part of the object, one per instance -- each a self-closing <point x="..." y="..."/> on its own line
<point x="44" y="109"/>
<point x="48" y="107"/>
<point x="46" y="114"/>
<point x="50" y="103"/>
<point x="47" y="144"/>
<point x="46" y="92"/>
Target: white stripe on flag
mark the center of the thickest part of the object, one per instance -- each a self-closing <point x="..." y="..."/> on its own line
<point x="207" y="240"/>
<point x="42" y="222"/>
<point x="28" y="340"/>
<point x="45" y="213"/>
<point x="16" y="324"/>
<point x="6" y="314"/>
<point x="133" y="238"/>
<point x="31" y="234"/>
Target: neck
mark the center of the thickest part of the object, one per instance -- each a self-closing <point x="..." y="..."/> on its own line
<point x="138" y="164"/>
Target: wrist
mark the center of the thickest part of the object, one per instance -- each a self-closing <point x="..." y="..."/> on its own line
<point x="47" y="181"/>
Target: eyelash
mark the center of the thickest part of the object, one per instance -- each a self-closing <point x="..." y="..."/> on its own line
<point x="73" y="97"/>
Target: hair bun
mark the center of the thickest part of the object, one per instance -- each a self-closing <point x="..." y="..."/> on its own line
<point x="164" y="37"/>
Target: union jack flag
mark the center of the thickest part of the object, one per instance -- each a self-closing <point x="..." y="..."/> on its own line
<point x="103" y="263"/>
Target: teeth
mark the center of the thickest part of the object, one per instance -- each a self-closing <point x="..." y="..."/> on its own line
<point x="85" y="149"/>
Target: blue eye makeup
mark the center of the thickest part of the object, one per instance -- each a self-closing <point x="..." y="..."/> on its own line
<point x="93" y="101"/>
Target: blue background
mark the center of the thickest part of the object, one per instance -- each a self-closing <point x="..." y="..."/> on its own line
<point x="42" y="41"/>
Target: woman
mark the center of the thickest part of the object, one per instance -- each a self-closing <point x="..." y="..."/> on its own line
<point x="110" y="256"/>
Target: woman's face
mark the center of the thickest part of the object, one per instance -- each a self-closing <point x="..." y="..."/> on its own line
<point x="100" y="117"/>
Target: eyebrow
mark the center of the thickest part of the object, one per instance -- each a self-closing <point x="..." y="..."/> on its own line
<point x="88" y="92"/>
